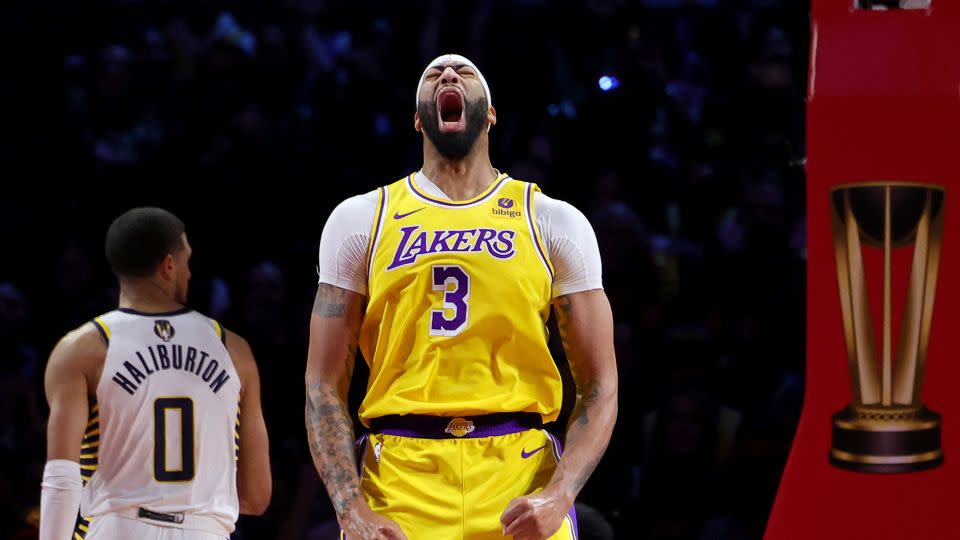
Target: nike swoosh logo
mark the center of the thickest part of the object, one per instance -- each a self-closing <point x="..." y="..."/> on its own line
<point x="398" y="215"/>
<point x="524" y="454"/>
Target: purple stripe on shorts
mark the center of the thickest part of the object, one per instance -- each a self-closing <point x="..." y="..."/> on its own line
<point x="573" y="518"/>
<point x="446" y="427"/>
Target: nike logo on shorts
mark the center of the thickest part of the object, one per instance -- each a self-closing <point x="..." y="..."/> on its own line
<point x="398" y="215"/>
<point x="524" y="454"/>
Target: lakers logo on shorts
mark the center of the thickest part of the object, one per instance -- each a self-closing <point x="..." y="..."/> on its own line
<point x="164" y="330"/>
<point x="458" y="427"/>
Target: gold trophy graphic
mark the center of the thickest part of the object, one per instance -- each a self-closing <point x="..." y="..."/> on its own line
<point x="886" y="428"/>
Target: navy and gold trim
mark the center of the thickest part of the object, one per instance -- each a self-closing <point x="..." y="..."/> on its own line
<point x="103" y="329"/>
<point x="236" y="435"/>
<point x="89" y="457"/>
<point x="221" y="332"/>
<point x="82" y="527"/>
<point x="180" y="311"/>
<point x="90" y="445"/>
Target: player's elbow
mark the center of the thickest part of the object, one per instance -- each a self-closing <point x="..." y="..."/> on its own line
<point x="257" y="502"/>
<point x="254" y="508"/>
<point x="602" y="386"/>
<point x="255" y="495"/>
<point x="613" y="388"/>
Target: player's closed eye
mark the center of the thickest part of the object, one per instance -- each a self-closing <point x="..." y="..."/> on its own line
<point x="464" y="71"/>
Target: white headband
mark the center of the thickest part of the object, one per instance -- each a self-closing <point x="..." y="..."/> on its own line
<point x="447" y="59"/>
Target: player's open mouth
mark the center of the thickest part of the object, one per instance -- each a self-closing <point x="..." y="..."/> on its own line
<point x="450" y="110"/>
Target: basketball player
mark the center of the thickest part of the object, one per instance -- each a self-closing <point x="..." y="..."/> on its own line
<point x="445" y="280"/>
<point x="154" y="406"/>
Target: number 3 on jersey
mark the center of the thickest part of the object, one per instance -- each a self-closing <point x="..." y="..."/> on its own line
<point x="162" y="470"/>
<point x="455" y="285"/>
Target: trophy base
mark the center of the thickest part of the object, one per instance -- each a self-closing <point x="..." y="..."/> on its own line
<point x="886" y="439"/>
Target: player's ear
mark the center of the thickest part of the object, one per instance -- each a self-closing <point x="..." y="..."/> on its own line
<point x="417" y="124"/>
<point x="167" y="270"/>
<point x="492" y="115"/>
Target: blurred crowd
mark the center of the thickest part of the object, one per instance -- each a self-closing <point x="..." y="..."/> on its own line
<point x="676" y="126"/>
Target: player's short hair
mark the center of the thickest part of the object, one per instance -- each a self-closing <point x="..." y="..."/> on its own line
<point x="139" y="240"/>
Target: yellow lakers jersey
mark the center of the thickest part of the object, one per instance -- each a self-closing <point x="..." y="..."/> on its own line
<point x="458" y="298"/>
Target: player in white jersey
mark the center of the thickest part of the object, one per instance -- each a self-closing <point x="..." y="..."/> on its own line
<point x="155" y="429"/>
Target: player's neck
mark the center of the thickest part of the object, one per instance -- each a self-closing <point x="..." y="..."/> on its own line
<point x="147" y="297"/>
<point x="460" y="179"/>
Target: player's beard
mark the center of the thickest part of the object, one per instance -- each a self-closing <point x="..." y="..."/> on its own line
<point x="458" y="145"/>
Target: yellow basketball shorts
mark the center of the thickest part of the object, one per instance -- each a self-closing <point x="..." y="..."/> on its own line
<point x="457" y="483"/>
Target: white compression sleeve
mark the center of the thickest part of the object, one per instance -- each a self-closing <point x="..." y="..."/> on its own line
<point x="343" y="244"/>
<point x="59" y="499"/>
<point x="571" y="244"/>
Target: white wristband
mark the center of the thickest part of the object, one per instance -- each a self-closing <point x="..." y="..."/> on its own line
<point x="60" y="493"/>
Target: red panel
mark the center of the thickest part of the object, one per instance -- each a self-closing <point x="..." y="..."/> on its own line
<point x="883" y="106"/>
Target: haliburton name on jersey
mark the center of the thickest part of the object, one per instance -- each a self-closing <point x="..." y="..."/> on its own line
<point x="165" y="357"/>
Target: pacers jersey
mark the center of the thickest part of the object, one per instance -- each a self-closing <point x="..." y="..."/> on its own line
<point x="163" y="430"/>
<point x="458" y="298"/>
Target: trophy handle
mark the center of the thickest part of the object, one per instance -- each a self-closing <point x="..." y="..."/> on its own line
<point x="855" y="306"/>
<point x="918" y="311"/>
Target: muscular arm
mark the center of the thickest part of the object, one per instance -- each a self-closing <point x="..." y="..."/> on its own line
<point x="65" y="384"/>
<point x="254" y="479"/>
<point x="334" y="331"/>
<point x="586" y="329"/>
<point x="71" y="363"/>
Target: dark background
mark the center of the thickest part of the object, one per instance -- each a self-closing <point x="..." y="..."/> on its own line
<point x="252" y="120"/>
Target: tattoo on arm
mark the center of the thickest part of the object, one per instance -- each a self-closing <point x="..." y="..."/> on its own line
<point x="330" y="302"/>
<point x="585" y="473"/>
<point x="331" y="443"/>
<point x="588" y="391"/>
<point x="580" y="417"/>
<point x="584" y="404"/>
<point x="587" y="394"/>
<point x="329" y="425"/>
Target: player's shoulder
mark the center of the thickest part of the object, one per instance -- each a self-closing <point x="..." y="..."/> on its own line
<point x="357" y="204"/>
<point x="79" y="347"/>
<point x="402" y="181"/>
<point x="235" y="341"/>
<point x="241" y="354"/>
<point x="363" y="200"/>
<point x="239" y="348"/>
<point x="203" y="320"/>
<point x="546" y="207"/>
<point x="85" y="336"/>
<point x="371" y="198"/>
<point x="549" y="207"/>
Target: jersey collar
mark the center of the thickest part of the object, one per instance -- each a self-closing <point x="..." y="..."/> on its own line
<point x="487" y="193"/>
